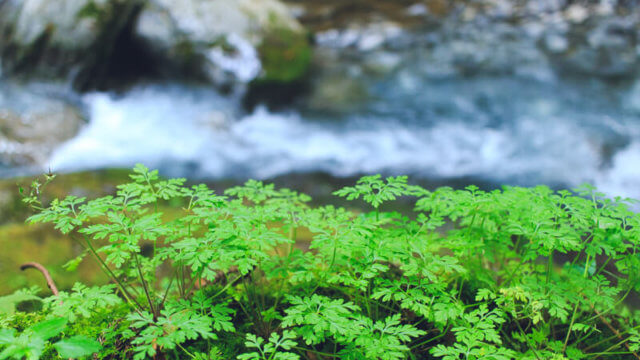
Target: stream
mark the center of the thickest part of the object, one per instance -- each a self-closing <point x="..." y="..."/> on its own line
<point x="380" y="100"/>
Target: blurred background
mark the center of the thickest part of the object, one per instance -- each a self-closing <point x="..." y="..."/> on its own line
<point x="310" y="94"/>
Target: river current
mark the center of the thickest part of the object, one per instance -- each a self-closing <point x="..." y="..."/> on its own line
<point x="393" y="111"/>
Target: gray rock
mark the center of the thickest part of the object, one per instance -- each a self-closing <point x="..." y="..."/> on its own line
<point x="33" y="124"/>
<point x="577" y="13"/>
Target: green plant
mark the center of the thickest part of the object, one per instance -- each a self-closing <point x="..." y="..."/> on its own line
<point x="9" y="303"/>
<point x="31" y="343"/>
<point x="270" y="349"/>
<point x="516" y="273"/>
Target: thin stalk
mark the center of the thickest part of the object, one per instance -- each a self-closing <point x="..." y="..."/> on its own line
<point x="585" y="336"/>
<point x="600" y="342"/>
<point x="166" y="293"/>
<point x="614" y="306"/>
<point x="145" y="288"/>
<point x="445" y="332"/>
<point x="549" y="267"/>
<point x="229" y="284"/>
<point x="618" y="334"/>
<point x="603" y="266"/>
<point x="535" y="353"/>
<point x="573" y="319"/>
<point x="193" y="282"/>
<point x="113" y="277"/>
<point x="575" y="308"/>
<point x="508" y="280"/>
<point x="616" y="345"/>
<point x="517" y="245"/>
<point x="610" y="353"/>
<point x="315" y="352"/>
<point x="186" y="351"/>
<point x="178" y="282"/>
<point x="293" y="234"/>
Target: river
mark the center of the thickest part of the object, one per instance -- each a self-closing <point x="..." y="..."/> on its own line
<point x="379" y="100"/>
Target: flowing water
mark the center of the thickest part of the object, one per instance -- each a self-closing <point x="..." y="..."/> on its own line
<point x="398" y="111"/>
<point x="498" y="129"/>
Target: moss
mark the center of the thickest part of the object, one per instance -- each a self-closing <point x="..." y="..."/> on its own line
<point x="90" y="10"/>
<point x="285" y="55"/>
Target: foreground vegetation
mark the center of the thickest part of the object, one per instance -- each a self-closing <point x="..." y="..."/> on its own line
<point x="518" y="273"/>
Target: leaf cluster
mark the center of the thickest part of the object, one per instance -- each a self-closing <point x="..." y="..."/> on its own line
<point x="257" y="273"/>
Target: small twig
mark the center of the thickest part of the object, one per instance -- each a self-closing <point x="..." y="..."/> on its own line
<point x="47" y="276"/>
<point x="44" y="272"/>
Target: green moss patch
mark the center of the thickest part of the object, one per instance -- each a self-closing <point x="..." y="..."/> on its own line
<point x="285" y="56"/>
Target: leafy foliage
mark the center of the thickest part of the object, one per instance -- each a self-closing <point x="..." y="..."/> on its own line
<point x="276" y="348"/>
<point x="30" y="344"/>
<point x="8" y="303"/>
<point x="256" y="273"/>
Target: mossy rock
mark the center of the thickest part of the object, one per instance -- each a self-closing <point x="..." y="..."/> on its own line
<point x="285" y="55"/>
<point x="93" y="11"/>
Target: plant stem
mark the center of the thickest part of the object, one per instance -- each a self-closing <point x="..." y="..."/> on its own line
<point x="315" y="352"/>
<point x="113" y="277"/>
<point x="575" y="308"/>
<point x="549" y="267"/>
<point x="443" y="333"/>
<point x="145" y="288"/>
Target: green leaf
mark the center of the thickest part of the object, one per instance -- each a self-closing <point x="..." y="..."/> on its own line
<point x="76" y="347"/>
<point x="73" y="264"/>
<point x="7" y="336"/>
<point x="50" y="328"/>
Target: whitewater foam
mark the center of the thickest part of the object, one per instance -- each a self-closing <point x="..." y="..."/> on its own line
<point x="159" y="125"/>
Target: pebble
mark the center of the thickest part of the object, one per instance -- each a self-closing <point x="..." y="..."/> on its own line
<point x="576" y="13"/>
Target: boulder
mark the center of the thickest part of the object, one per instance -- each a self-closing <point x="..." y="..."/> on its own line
<point x="227" y="40"/>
